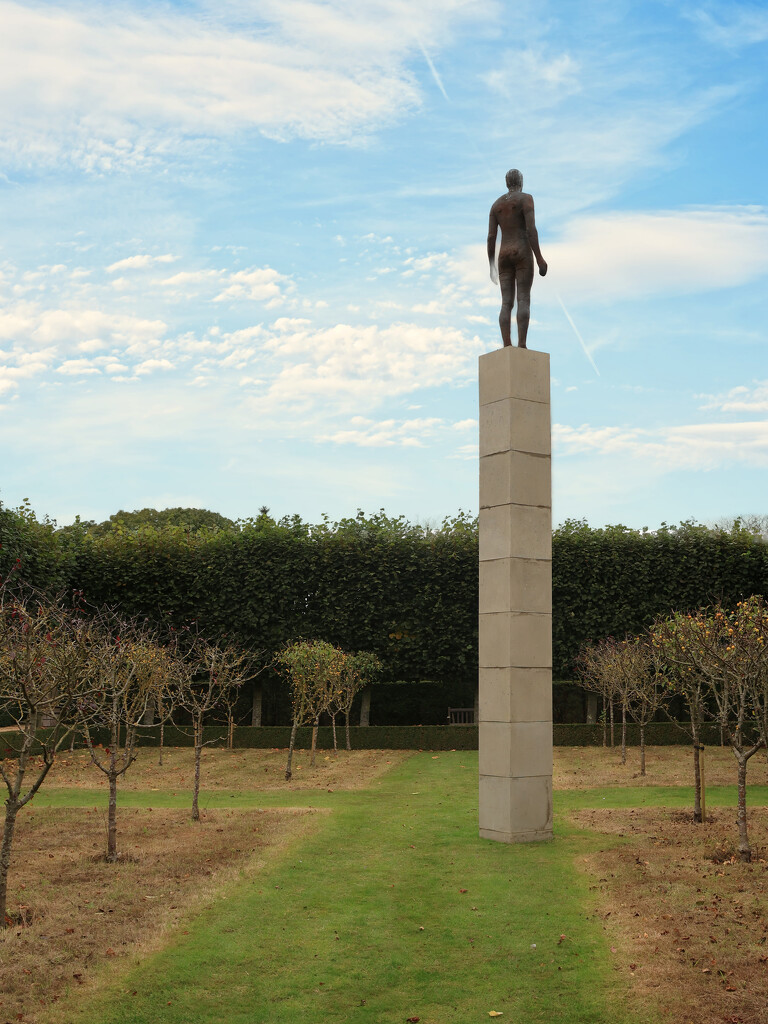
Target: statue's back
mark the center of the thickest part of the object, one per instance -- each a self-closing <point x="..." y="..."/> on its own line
<point x="510" y="214"/>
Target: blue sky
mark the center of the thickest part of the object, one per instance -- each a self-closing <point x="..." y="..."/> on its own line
<point x="242" y="252"/>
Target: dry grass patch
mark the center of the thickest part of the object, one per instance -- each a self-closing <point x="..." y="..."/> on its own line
<point x="80" y="912"/>
<point x="232" y="769"/>
<point x="687" y="921"/>
<point x="595" y="767"/>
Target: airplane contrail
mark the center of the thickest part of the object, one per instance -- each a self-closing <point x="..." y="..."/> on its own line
<point x="576" y="332"/>
<point x="433" y="69"/>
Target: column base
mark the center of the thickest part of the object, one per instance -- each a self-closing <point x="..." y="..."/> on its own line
<point x="516" y="837"/>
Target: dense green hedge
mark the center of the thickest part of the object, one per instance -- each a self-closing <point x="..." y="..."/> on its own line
<point x="407" y="593"/>
<point x="615" y="581"/>
<point x="379" y="585"/>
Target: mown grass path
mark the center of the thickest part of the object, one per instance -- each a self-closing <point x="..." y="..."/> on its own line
<point x="332" y="931"/>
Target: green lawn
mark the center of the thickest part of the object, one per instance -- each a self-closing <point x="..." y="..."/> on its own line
<point x="332" y="931"/>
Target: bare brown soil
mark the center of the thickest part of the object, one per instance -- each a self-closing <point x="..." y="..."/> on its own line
<point x="231" y="769"/>
<point x="593" y="767"/>
<point x="686" y="920"/>
<point x="74" y="912"/>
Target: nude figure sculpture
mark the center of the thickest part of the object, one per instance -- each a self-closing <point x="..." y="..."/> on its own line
<point x="513" y="213"/>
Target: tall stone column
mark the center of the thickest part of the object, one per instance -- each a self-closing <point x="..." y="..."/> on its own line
<point x="515" y="597"/>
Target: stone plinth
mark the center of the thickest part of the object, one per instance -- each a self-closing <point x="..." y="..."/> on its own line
<point x="515" y="706"/>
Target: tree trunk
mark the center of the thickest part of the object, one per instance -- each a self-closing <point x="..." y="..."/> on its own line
<point x="605" y="723"/>
<point x="365" y="706"/>
<point x="333" y="726"/>
<point x="697" y="748"/>
<point x="591" y="708"/>
<point x="112" y="815"/>
<point x="288" y="772"/>
<point x="11" y="810"/>
<point x="256" y="706"/>
<point x="198" y="731"/>
<point x="162" y="737"/>
<point x="346" y="726"/>
<point x="315" y="726"/>
<point x="230" y="731"/>
<point x="745" y="853"/>
<point x="613" y="738"/>
<point x="642" y="749"/>
<point x="624" y="733"/>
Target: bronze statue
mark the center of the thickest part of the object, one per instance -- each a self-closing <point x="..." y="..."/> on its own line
<point x="513" y="213"/>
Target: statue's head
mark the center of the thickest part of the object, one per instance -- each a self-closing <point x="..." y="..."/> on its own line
<point x="514" y="180"/>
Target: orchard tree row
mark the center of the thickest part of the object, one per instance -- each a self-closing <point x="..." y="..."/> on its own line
<point x="73" y="671"/>
<point x="716" y="660"/>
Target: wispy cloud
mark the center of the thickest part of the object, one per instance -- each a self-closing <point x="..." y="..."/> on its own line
<point x="732" y="25"/>
<point x="306" y="69"/>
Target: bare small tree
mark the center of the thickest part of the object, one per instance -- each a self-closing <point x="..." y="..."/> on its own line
<point x="358" y="670"/>
<point x="600" y="670"/>
<point x="671" y="638"/>
<point x="212" y="674"/>
<point x="128" y="672"/>
<point x="42" y="657"/>
<point x="647" y="693"/>
<point x="728" y="650"/>
<point x="625" y="671"/>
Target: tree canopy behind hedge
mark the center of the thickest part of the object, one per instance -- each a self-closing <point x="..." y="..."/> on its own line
<point x="406" y="592"/>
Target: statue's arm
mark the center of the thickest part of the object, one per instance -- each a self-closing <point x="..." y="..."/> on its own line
<point x="493" y="227"/>
<point x="533" y="235"/>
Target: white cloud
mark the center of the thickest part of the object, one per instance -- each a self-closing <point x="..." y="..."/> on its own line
<point x="187" y="277"/>
<point x="740" y="399"/>
<point x="257" y="284"/>
<point x="297" y="69"/>
<point x="699" y="446"/>
<point x="626" y="255"/>
<point x="350" y="366"/>
<point x="25" y="368"/>
<point x="149" y="365"/>
<point x="77" y="367"/>
<point x="252" y="284"/>
<point x="139" y="262"/>
<point x="386" y="433"/>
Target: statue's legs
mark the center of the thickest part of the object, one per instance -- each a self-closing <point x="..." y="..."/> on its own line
<point x="507" y="284"/>
<point x="524" y="278"/>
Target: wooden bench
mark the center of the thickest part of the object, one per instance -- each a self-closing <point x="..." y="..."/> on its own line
<point x="461" y="716"/>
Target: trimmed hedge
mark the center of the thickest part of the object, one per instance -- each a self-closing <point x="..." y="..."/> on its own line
<point x="400" y="737"/>
<point x="372" y="737"/>
<point x="657" y="734"/>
